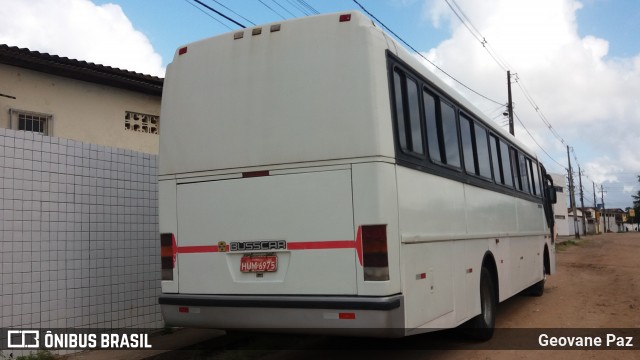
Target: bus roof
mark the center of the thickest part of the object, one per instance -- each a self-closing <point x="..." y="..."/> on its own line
<point x="307" y="89"/>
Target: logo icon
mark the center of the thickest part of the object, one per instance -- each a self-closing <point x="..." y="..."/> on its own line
<point x="23" y="339"/>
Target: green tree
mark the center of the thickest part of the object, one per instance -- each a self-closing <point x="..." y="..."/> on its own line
<point x="636" y="205"/>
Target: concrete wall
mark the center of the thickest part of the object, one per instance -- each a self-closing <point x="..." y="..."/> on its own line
<point x="563" y="225"/>
<point x="79" y="234"/>
<point x="82" y="111"/>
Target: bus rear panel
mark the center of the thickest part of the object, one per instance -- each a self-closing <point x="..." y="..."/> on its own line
<point x="277" y="201"/>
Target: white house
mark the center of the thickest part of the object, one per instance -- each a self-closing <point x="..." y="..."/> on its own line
<point x="560" y="207"/>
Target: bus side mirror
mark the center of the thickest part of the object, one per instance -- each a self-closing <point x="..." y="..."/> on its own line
<point x="551" y="195"/>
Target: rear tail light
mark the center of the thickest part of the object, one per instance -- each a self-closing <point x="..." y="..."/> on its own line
<point x="375" y="257"/>
<point x="167" y="255"/>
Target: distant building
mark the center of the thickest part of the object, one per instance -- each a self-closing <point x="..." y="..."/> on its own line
<point x="614" y="220"/>
<point x="560" y="207"/>
<point x="73" y="99"/>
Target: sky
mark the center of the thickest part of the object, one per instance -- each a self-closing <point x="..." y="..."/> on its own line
<point x="577" y="62"/>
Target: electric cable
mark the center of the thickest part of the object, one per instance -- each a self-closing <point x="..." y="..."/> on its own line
<point x="421" y="55"/>
<point x="219" y="13"/>
<point x="209" y="15"/>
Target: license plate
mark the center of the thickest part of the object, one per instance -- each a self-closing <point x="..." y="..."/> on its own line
<point x="263" y="263"/>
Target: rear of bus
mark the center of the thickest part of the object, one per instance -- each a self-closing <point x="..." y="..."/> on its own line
<point x="278" y="207"/>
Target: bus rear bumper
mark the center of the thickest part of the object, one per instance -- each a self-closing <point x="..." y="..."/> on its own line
<point x="337" y="315"/>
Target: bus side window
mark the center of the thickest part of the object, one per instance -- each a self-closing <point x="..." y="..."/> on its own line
<point x="535" y="177"/>
<point x="507" y="169"/>
<point x="482" y="148"/>
<point x="524" y="173"/>
<point x="515" y="169"/>
<point x="414" y="117"/>
<point x="495" y="159"/>
<point x="407" y="106"/>
<point x="467" y="145"/>
<point x="449" y="135"/>
<point x="398" y="78"/>
<point x="431" y="125"/>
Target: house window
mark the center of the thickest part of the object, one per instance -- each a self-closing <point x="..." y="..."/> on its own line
<point x="145" y="123"/>
<point x="31" y="121"/>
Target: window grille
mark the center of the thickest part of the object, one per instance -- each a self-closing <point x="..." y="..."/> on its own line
<point x="144" y="123"/>
<point x="31" y="121"/>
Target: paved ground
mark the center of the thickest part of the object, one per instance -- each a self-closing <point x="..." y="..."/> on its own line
<point x="597" y="285"/>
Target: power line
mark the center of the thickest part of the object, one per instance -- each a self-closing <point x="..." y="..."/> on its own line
<point x="535" y="141"/>
<point x="209" y="15"/>
<point x="464" y="19"/>
<point x="219" y="13"/>
<point x="422" y="56"/>
<point x="311" y="8"/>
<point x="298" y="7"/>
<point x="539" y="111"/>
<point x="283" y="8"/>
<point x="221" y="4"/>
<point x="270" y="8"/>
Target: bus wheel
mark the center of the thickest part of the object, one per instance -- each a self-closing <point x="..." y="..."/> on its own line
<point x="537" y="289"/>
<point x="481" y="327"/>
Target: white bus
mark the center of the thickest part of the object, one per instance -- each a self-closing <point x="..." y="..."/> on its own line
<point x="315" y="176"/>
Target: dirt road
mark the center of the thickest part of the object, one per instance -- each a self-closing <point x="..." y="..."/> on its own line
<point x="597" y="285"/>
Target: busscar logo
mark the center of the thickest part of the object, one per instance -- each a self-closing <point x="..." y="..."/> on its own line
<point x="262" y="245"/>
<point x="23" y="339"/>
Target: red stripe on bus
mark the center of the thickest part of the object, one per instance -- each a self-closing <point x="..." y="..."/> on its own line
<point x="302" y="245"/>
<point x="197" y="249"/>
<point x="321" y="245"/>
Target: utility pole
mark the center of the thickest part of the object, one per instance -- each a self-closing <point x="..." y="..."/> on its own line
<point x="576" y="230"/>
<point x="595" y="206"/>
<point x="604" y="211"/>
<point x="584" y="216"/>
<point x="510" y="104"/>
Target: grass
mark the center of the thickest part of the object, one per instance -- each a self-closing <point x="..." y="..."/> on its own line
<point x="566" y="244"/>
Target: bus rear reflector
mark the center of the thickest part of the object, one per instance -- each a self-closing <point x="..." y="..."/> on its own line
<point x="167" y="255"/>
<point x="347" y="316"/>
<point x="345" y="17"/>
<point x="375" y="257"/>
<point x="182" y="51"/>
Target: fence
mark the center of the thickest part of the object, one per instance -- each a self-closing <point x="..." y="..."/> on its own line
<point x="79" y="234"/>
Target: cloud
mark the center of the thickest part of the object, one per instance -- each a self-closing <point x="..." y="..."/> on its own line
<point x="602" y="170"/>
<point x="588" y="96"/>
<point x="80" y="30"/>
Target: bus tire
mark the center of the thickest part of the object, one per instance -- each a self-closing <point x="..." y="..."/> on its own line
<point x="537" y="289"/>
<point x="482" y="326"/>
